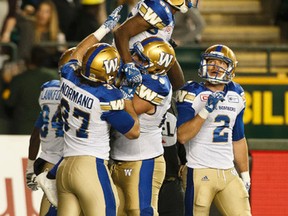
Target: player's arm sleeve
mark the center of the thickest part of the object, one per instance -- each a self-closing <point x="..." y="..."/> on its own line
<point x="119" y="120"/>
<point x="185" y="113"/>
<point x="238" y="129"/>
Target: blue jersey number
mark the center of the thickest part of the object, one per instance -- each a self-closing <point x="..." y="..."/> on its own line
<point x="77" y="113"/>
<point x="218" y="136"/>
<point x="56" y="123"/>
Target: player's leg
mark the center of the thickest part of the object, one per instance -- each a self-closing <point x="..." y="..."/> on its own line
<point x="200" y="187"/>
<point x="234" y="199"/>
<point x="90" y="181"/>
<point x="140" y="182"/>
<point x="67" y="201"/>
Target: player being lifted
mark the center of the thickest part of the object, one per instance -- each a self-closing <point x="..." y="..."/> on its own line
<point x="151" y="18"/>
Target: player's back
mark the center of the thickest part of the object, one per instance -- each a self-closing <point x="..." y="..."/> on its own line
<point x="82" y="106"/>
<point x="51" y="130"/>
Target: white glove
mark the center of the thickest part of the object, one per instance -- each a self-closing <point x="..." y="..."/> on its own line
<point x="109" y="24"/>
<point x="245" y="176"/>
<point x="211" y="104"/>
<point x="30" y="176"/>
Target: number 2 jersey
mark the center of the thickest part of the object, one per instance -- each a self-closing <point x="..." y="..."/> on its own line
<point x="87" y="112"/>
<point x="158" y="91"/>
<point x="158" y="14"/>
<point x="212" y="146"/>
<point x="49" y="122"/>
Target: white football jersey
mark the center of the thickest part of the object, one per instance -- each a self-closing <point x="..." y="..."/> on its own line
<point x="159" y="15"/>
<point x="51" y="126"/>
<point x="169" y="130"/>
<point x="82" y="108"/>
<point x="158" y="91"/>
<point x="212" y="146"/>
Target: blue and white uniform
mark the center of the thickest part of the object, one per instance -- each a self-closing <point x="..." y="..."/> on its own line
<point x="88" y="111"/>
<point x="49" y="122"/>
<point x="210" y="175"/>
<point x="139" y="168"/>
<point x="212" y="146"/>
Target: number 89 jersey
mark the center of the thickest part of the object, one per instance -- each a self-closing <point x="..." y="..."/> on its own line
<point x="49" y="122"/>
<point x="212" y="146"/>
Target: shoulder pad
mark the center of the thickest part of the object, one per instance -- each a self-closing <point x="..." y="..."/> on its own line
<point x="156" y="13"/>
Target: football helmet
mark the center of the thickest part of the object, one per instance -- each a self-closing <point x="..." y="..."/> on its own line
<point x="156" y="55"/>
<point x="101" y="63"/>
<point x="222" y="75"/>
<point x="65" y="57"/>
<point x="183" y="5"/>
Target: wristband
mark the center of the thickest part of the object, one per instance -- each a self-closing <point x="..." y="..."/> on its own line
<point x="100" y="32"/>
<point x="203" y="113"/>
<point x="245" y="176"/>
<point x="30" y="164"/>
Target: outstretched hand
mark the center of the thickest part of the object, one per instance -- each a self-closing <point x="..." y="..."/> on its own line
<point x="113" y="18"/>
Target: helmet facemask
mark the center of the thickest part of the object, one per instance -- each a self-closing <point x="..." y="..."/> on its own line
<point x="221" y="75"/>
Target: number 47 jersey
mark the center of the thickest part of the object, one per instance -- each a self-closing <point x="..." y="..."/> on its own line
<point x="212" y="146"/>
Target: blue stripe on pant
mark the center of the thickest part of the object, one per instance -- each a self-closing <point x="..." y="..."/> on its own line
<point x="145" y="187"/>
<point x="189" y="193"/>
<point x="107" y="189"/>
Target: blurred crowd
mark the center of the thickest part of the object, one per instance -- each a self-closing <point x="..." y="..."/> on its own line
<point x="35" y="26"/>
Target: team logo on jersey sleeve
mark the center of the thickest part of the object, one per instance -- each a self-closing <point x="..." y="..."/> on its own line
<point x="149" y="95"/>
<point x="185" y="96"/>
<point x="112" y="105"/>
<point x="151" y="17"/>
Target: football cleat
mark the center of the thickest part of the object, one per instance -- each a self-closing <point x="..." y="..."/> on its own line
<point x="101" y="63"/>
<point x="222" y="53"/>
<point x="153" y="55"/>
<point x="49" y="187"/>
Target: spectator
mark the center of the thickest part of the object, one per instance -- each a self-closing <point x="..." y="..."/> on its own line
<point x="189" y="27"/>
<point x="34" y="29"/>
<point x="67" y="10"/>
<point x="90" y="16"/>
<point x="24" y="91"/>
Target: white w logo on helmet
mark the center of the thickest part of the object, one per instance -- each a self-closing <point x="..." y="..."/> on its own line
<point x="165" y="58"/>
<point x="110" y="65"/>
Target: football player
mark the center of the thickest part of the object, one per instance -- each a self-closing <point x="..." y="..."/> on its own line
<point x="47" y="132"/>
<point x="90" y="104"/>
<point x="210" y="124"/>
<point x="139" y="167"/>
<point x="151" y="18"/>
